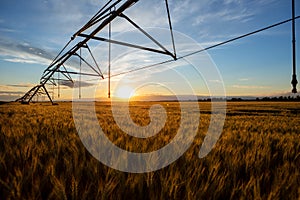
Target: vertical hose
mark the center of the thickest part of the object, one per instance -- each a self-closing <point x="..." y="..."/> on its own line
<point x="79" y="85"/>
<point x="109" y="57"/>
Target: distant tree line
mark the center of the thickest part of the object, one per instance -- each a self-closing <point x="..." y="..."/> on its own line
<point x="280" y="98"/>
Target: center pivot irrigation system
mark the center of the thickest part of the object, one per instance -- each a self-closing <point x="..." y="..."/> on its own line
<point x="102" y="19"/>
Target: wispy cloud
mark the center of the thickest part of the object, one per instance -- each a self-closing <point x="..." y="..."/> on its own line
<point x="244" y="79"/>
<point x="225" y="15"/>
<point x="216" y="81"/>
<point x="21" y="85"/>
<point x="13" y="51"/>
<point x="13" y="87"/>
<point x="23" y="52"/>
<point x="217" y="19"/>
<point x="8" y="30"/>
<point x="250" y="87"/>
<point x="10" y="95"/>
<point x="11" y="92"/>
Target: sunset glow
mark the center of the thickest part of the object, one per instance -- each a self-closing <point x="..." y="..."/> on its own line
<point x="124" y="92"/>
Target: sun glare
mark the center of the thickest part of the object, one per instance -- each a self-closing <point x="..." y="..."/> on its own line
<point x="124" y="92"/>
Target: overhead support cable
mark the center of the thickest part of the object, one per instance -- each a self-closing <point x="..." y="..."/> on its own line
<point x="60" y="52"/>
<point x="67" y="75"/>
<point x="77" y="73"/>
<point x="147" y="34"/>
<point x="207" y="48"/>
<point x="239" y="37"/>
<point x="82" y="59"/>
<point x="171" y="29"/>
<point x="125" y="44"/>
<point x="99" y="70"/>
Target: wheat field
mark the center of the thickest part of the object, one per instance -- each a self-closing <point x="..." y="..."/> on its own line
<point x="256" y="157"/>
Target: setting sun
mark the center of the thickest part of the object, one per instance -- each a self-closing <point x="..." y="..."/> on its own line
<point x="124" y="92"/>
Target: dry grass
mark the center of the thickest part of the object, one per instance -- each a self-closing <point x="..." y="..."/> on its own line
<point x="257" y="156"/>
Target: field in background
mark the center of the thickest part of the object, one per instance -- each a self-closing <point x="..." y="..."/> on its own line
<point x="257" y="156"/>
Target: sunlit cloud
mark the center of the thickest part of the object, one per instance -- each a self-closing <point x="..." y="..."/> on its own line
<point x="244" y="79"/>
<point x="251" y="87"/>
<point x="21" y="85"/>
<point x="11" y="92"/>
<point x="216" y="81"/>
<point x="8" y="30"/>
<point x="22" y="52"/>
<point x="17" y="52"/>
<point x="208" y="18"/>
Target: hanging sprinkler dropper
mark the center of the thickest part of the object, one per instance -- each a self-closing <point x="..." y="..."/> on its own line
<point x="294" y="76"/>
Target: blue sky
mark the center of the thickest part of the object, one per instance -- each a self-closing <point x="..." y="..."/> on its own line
<point x="32" y="32"/>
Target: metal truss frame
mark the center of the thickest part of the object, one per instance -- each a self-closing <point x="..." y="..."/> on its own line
<point x="103" y="18"/>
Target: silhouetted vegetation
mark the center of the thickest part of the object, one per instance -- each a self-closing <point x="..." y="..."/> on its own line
<point x="274" y="99"/>
<point x="281" y="98"/>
